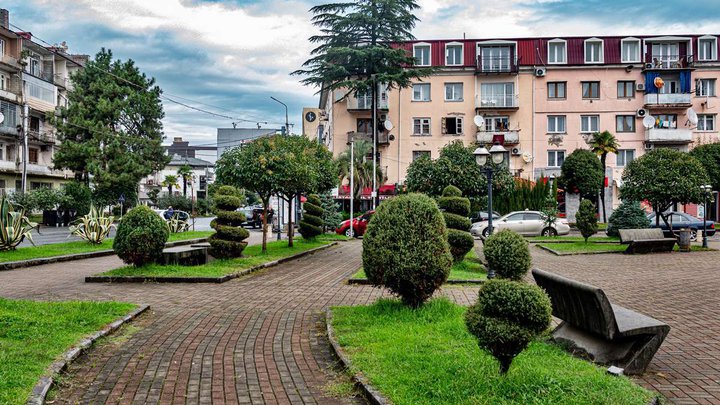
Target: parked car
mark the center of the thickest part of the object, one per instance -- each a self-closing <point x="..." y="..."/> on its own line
<point x="359" y="225"/>
<point x="526" y="223"/>
<point x="483" y="216"/>
<point x="681" y="220"/>
<point x="254" y="216"/>
<point x="166" y="215"/>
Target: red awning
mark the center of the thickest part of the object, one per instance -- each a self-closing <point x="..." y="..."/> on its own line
<point x="366" y="194"/>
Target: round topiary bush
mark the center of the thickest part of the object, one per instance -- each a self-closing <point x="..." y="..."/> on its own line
<point x="141" y="236"/>
<point x="312" y="221"/>
<point x="456" y="210"/>
<point x="405" y="248"/>
<point x="508" y="254"/>
<point x="628" y="215"/>
<point x="229" y="236"/>
<point x="507" y="316"/>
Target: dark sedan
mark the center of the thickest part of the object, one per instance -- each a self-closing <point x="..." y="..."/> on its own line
<point x="481" y="216"/>
<point x="681" y="220"/>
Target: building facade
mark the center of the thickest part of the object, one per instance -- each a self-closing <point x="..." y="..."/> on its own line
<point x="541" y="98"/>
<point x="203" y="174"/>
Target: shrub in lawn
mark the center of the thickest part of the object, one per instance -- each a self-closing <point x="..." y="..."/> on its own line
<point x="312" y="219"/>
<point x="628" y="215"/>
<point x="93" y="227"/>
<point x="456" y="210"/>
<point x="229" y="237"/>
<point x="405" y="248"/>
<point x="586" y="219"/>
<point x="508" y="254"/>
<point x="507" y="316"/>
<point x="141" y="236"/>
<point x="14" y="226"/>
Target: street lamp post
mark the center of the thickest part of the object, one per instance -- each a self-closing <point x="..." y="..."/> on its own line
<point x="351" y="143"/>
<point x="281" y="203"/>
<point x="706" y="190"/>
<point x="481" y="158"/>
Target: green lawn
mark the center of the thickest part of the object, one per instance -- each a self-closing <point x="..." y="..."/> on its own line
<point x="606" y="239"/>
<point x="426" y="356"/>
<point x="252" y="256"/>
<point x="174" y="237"/>
<point x="34" y="334"/>
<point x="582" y="247"/>
<point x="468" y="269"/>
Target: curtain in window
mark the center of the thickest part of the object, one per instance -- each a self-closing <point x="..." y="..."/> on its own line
<point x="650" y="82"/>
<point x="685" y="82"/>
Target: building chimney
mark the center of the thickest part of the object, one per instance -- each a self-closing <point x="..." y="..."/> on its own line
<point x="4" y="18"/>
<point x="177" y="139"/>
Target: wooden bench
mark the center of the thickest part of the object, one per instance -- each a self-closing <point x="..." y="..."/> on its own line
<point x="593" y="327"/>
<point x="648" y="240"/>
<point x="185" y="255"/>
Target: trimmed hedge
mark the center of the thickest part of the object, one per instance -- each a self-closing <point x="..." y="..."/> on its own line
<point x="405" y="248"/>
<point x="311" y="222"/>
<point x="628" y="215"/>
<point x="141" y="236"/>
<point x="508" y="254"/>
<point x="586" y="219"/>
<point x="452" y="191"/>
<point x="456" y="210"/>
<point x="229" y="238"/>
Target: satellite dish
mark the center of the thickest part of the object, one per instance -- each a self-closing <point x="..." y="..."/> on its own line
<point x="692" y="116"/>
<point x="527" y="157"/>
<point x="388" y="125"/>
<point x="2" y="118"/>
<point x="649" y="121"/>
<point x="479" y="120"/>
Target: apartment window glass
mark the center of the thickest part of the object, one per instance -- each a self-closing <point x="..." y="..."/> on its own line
<point x="364" y="125"/>
<point x="2" y="187"/>
<point x="706" y="122"/>
<point x="452" y="125"/>
<point x="35" y="67"/>
<point x="2" y="47"/>
<point x="422" y="55"/>
<point x="705" y="87"/>
<point x="556" y="90"/>
<point x="625" y="156"/>
<point x="625" y="123"/>
<point x="499" y="124"/>
<point x="707" y="48"/>
<point x="556" y="124"/>
<point x="421" y="126"/>
<point x="630" y="51"/>
<point x="497" y="95"/>
<point x="2" y="149"/>
<point x="421" y="92"/>
<point x="557" y="52"/>
<point x="556" y="158"/>
<point x="496" y="58"/>
<point x="593" y="51"/>
<point x="3" y="82"/>
<point x="666" y="121"/>
<point x="453" y="91"/>
<point x="9" y="110"/>
<point x="589" y="123"/>
<point x="417" y="154"/>
<point x="591" y="90"/>
<point x="33" y="155"/>
<point x="453" y="55"/>
<point x="625" y="89"/>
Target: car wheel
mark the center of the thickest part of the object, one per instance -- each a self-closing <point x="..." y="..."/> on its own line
<point x="348" y="233"/>
<point x="254" y="225"/>
<point x="693" y="235"/>
<point x="549" y="232"/>
<point x="486" y="232"/>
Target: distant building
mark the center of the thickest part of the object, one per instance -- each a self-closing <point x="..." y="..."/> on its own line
<point x="203" y="173"/>
<point x="184" y="149"/>
<point x="312" y="126"/>
<point x="232" y="137"/>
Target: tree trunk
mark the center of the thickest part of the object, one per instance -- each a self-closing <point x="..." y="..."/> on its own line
<point x="602" y="187"/>
<point x="290" y="221"/>
<point x="264" y="224"/>
<point x="505" y="362"/>
<point x="184" y="187"/>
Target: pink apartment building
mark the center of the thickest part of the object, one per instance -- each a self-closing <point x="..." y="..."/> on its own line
<point x="541" y="98"/>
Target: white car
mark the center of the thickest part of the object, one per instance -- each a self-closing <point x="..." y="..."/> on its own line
<point x="526" y="223"/>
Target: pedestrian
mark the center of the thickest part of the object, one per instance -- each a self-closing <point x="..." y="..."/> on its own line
<point x="169" y="212"/>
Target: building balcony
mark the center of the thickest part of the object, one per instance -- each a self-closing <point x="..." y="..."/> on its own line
<point x="504" y="137"/>
<point x="61" y="81"/>
<point x="383" y="138"/>
<point x="497" y="65"/>
<point x="10" y="62"/>
<point x="668" y="135"/>
<point x="673" y="100"/>
<point x="362" y="104"/>
<point x="668" y="62"/>
<point x="500" y="102"/>
<point x="42" y="136"/>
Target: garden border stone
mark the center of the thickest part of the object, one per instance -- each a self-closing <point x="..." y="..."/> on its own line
<point x="556" y="253"/>
<point x="46" y="382"/>
<point x="364" y="281"/>
<point x="218" y="280"/>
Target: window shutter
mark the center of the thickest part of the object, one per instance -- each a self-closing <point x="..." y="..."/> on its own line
<point x="458" y="126"/>
<point x="444" y="126"/>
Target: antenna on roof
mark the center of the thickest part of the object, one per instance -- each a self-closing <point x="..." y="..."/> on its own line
<point x="464" y="36"/>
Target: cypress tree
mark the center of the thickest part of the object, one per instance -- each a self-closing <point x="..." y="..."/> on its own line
<point x="312" y="222"/>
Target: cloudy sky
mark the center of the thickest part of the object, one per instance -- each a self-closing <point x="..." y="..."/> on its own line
<point x="231" y="56"/>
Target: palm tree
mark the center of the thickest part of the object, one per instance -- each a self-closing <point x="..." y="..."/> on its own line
<point x="601" y="144"/>
<point x="185" y="173"/>
<point x="170" y="182"/>
<point x="363" y="168"/>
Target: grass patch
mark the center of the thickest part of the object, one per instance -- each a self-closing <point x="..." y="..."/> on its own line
<point x="468" y="269"/>
<point x="606" y="239"/>
<point x="426" y="356"/>
<point x="34" y="334"/>
<point x="582" y="247"/>
<point x="252" y="256"/>
<point x="174" y="237"/>
<point x="695" y="248"/>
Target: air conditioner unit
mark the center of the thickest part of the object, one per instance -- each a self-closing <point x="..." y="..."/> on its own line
<point x="540" y="72"/>
<point x="649" y="146"/>
<point x="642" y="113"/>
<point x="516" y="151"/>
<point x="640" y="87"/>
<point x="648" y="66"/>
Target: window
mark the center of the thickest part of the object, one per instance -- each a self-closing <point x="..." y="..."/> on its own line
<point x="707" y="48"/>
<point x="497" y="123"/>
<point x="666" y="121"/>
<point x="556" y="90"/>
<point x="35" y="67"/>
<point x="364" y="125"/>
<point x="421" y="92"/>
<point x="666" y="55"/>
<point x="421" y="126"/>
<point x="453" y="54"/>
<point x="532" y="216"/>
<point x="672" y="86"/>
<point x="33" y="155"/>
<point x="452" y="125"/>
<point x="706" y="122"/>
<point x="630" y="50"/>
<point x="3" y="81"/>
<point x="626" y="89"/>
<point x="9" y="110"/>
<point x="589" y="123"/>
<point x="18" y="185"/>
<point x="34" y="185"/>
<point x="10" y="153"/>
<point x="497" y="95"/>
<point x="705" y="87"/>
<point x="421" y="52"/>
<point x="624" y="123"/>
<point x="2" y="47"/>
<point x="417" y="154"/>
<point x="556" y="124"/>
<point x="557" y="51"/>
<point x="593" y="51"/>
<point x="625" y="156"/>
<point x="591" y="90"/>
<point x="453" y="91"/>
<point x="2" y="187"/>
<point x="2" y="149"/>
<point x="556" y="158"/>
<point x="496" y="58"/>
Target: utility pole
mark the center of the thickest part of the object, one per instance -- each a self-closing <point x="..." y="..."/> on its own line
<point x="375" y="145"/>
<point x="282" y="202"/>
<point x="25" y="119"/>
<point x="352" y="184"/>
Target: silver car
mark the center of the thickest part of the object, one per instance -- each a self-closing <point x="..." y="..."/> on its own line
<point x="526" y="223"/>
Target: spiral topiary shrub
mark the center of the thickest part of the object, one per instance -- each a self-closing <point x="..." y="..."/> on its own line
<point x="628" y="215"/>
<point x="228" y="239"/>
<point x="312" y="219"/>
<point x="141" y="236"/>
<point x="405" y="248"/>
<point x="508" y="254"/>
<point x="506" y="317"/>
<point x="456" y="210"/>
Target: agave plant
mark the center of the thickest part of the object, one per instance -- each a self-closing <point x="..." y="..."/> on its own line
<point x="14" y="226"/>
<point x="176" y="225"/>
<point x="93" y="227"/>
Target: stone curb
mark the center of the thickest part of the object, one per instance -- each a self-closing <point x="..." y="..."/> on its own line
<point x="364" y="281"/>
<point x="573" y="241"/>
<point x="46" y="382"/>
<point x="79" y="256"/>
<point x="556" y="253"/>
<point x="217" y="280"/>
<point x="371" y="394"/>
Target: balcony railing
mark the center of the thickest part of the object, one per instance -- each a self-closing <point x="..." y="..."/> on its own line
<point x="497" y="64"/>
<point x="61" y="81"/>
<point x="506" y="101"/>
<point x="509" y="137"/>
<point x="668" y="100"/>
<point x="10" y="61"/>
<point x="365" y="103"/>
<point x="382" y="137"/>
<point x="42" y="136"/>
<point x="669" y="135"/>
<point x="660" y="61"/>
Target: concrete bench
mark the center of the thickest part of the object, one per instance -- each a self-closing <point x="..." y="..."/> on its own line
<point x="646" y="240"/>
<point x="593" y="327"/>
<point x="185" y="255"/>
